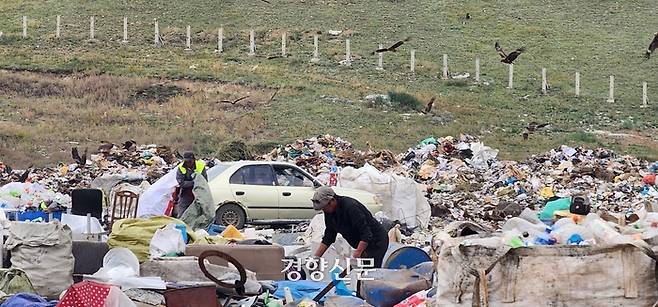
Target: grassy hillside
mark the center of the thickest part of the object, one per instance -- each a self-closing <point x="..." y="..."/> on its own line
<point x="598" y="40"/>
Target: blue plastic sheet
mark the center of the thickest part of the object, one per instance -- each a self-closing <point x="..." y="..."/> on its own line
<point x="340" y="288"/>
<point x="27" y="300"/>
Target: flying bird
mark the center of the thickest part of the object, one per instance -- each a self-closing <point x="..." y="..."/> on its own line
<point x="533" y="127"/>
<point x="25" y="174"/>
<point x="392" y="48"/>
<point x="235" y="101"/>
<point x="80" y="160"/>
<point x="653" y="46"/>
<point x="508" y="58"/>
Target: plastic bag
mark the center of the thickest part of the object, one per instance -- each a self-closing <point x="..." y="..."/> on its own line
<point x="121" y="268"/>
<point x="166" y="241"/>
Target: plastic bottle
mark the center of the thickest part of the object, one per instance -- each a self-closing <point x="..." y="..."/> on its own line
<point x="524" y="226"/>
<point x="562" y="222"/>
<point x="568" y="230"/>
<point x="288" y="295"/>
<point x="544" y="239"/>
<point x="333" y="175"/>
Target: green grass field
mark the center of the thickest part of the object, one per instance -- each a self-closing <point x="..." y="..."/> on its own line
<point x="597" y="39"/>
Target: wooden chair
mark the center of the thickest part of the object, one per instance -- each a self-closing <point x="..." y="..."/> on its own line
<point x="124" y="206"/>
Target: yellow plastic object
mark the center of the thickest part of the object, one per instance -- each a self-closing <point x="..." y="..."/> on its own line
<point x="136" y="234"/>
<point x="546" y="192"/>
<point x="232" y="233"/>
<point x="211" y="240"/>
<point x="63" y="170"/>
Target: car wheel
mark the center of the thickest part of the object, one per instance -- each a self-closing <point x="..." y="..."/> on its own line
<point x="230" y="214"/>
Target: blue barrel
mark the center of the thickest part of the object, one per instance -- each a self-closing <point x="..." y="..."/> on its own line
<point x="400" y="256"/>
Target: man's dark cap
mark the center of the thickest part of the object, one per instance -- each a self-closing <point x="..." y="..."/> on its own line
<point x="188" y="156"/>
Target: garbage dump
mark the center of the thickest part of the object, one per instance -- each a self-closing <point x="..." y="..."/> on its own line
<point x="572" y="226"/>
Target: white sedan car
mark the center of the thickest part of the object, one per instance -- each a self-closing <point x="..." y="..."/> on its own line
<point x="268" y="192"/>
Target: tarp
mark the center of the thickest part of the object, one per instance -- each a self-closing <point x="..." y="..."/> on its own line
<point x="402" y="197"/>
<point x="136" y="234"/>
<point x="200" y="214"/>
<point x="27" y="300"/>
<point x="154" y="200"/>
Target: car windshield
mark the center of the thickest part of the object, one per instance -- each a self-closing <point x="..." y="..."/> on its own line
<point x="217" y="170"/>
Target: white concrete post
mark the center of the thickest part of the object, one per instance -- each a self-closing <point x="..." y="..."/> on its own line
<point x="88" y="223"/>
<point x="125" y="29"/>
<point x="24" y="26"/>
<point x="510" y="84"/>
<point x="611" y="96"/>
<point x="283" y="44"/>
<point x="544" y="84"/>
<point x="348" y="52"/>
<point x="380" y="58"/>
<point x="445" y="66"/>
<point x="92" y="31"/>
<point x="577" y="84"/>
<point x="220" y="40"/>
<point x="412" y="64"/>
<point x="157" y="40"/>
<point x="645" y="94"/>
<point x="316" y="49"/>
<point x="58" y="26"/>
<point x="188" y="41"/>
<point x="252" y="43"/>
<point x="477" y="69"/>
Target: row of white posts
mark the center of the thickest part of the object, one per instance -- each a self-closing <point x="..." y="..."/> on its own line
<point x="348" y="55"/>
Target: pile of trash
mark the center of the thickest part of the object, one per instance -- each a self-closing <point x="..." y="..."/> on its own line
<point x="464" y="180"/>
<point x="126" y="162"/>
<point x="318" y="155"/>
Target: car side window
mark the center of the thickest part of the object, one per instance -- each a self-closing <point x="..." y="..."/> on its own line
<point x="237" y="177"/>
<point x="291" y="177"/>
<point x="253" y="175"/>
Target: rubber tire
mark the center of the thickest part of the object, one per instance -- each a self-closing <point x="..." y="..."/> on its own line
<point x="242" y="217"/>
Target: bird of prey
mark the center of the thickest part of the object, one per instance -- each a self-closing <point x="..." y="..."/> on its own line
<point x="508" y="58"/>
<point x="393" y="48"/>
<point x="105" y="147"/>
<point x="653" y="46"/>
<point x="235" y="101"/>
<point x="468" y="15"/>
<point x="128" y="144"/>
<point x="429" y="106"/>
<point x="80" y="160"/>
<point x="533" y="127"/>
<point x="25" y="174"/>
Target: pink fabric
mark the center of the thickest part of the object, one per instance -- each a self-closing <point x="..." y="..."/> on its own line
<point x="85" y="294"/>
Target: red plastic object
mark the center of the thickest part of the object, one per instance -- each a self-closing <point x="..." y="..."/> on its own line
<point x="649" y="179"/>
